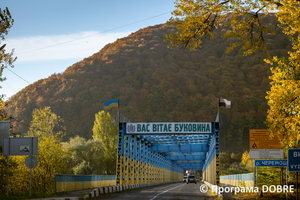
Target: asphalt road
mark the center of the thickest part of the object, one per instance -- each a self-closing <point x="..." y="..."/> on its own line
<point x="176" y="191"/>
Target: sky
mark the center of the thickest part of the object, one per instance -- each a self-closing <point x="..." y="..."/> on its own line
<point x="48" y="36"/>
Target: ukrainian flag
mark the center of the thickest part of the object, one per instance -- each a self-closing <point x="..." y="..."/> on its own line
<point x="111" y="104"/>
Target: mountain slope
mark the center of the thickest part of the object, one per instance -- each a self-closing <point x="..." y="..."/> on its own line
<point x="155" y="83"/>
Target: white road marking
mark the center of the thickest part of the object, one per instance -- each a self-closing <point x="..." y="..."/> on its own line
<point x="166" y="191"/>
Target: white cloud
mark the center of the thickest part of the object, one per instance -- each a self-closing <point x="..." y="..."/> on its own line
<point x="58" y="47"/>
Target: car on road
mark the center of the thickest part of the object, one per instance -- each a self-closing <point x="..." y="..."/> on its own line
<point x="191" y="179"/>
<point x="184" y="178"/>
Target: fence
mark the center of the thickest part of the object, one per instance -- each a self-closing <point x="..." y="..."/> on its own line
<point x="238" y="180"/>
<point x="66" y="182"/>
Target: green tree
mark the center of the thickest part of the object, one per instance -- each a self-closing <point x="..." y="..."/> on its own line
<point x="86" y="156"/>
<point x="106" y="130"/>
<point x="52" y="157"/>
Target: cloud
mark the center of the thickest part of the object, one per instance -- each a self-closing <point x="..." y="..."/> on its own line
<point x="58" y="47"/>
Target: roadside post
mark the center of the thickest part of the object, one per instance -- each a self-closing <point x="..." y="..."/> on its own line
<point x="271" y="163"/>
<point x="294" y="164"/>
<point x="263" y="147"/>
<point x="5" y="133"/>
<point x="25" y="146"/>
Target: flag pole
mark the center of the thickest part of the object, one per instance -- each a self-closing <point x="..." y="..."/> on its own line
<point x="119" y="112"/>
<point x="220" y="119"/>
<point x="219" y="110"/>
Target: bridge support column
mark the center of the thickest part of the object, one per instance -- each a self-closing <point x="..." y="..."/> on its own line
<point x="211" y="167"/>
<point x="143" y="161"/>
<point x="120" y="156"/>
<point x="128" y="160"/>
<point x="133" y="153"/>
<point x="138" y="158"/>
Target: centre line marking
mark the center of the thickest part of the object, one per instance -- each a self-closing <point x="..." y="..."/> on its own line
<point x="166" y="191"/>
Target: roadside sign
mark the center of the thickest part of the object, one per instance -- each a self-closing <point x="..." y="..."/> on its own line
<point x="266" y="153"/>
<point x="20" y="146"/>
<point x="169" y="128"/>
<point x="259" y="139"/>
<point x="294" y="160"/>
<point x="31" y="162"/>
<point x="270" y="163"/>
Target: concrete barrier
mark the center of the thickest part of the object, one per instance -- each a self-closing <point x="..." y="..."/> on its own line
<point x="96" y="192"/>
<point x="91" y="194"/>
<point x="213" y="187"/>
<point x="105" y="190"/>
<point x="101" y="190"/>
<point x="111" y="189"/>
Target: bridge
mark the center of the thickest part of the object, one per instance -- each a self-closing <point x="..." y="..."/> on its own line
<point x="161" y="152"/>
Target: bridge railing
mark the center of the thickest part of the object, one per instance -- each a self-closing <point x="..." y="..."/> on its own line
<point x="69" y="182"/>
<point x="238" y="180"/>
<point x="137" y="164"/>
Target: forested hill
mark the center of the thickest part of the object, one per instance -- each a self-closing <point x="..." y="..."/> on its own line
<point x="155" y="83"/>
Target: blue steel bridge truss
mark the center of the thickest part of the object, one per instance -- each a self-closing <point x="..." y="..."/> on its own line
<point x="164" y="157"/>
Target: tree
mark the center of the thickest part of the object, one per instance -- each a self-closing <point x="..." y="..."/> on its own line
<point x="283" y="117"/>
<point x="52" y="157"/>
<point x="86" y="156"/>
<point x="196" y="21"/>
<point x="106" y="131"/>
<point x="6" y="59"/>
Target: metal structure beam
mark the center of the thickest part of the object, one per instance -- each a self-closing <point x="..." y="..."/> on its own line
<point x="158" y="157"/>
<point x="180" y="148"/>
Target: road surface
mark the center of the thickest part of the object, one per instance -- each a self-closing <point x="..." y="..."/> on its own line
<point x="175" y="191"/>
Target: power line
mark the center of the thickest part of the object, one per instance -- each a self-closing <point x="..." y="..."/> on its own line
<point x="10" y="87"/>
<point x="95" y="34"/>
<point x="81" y="39"/>
<point x="18" y="76"/>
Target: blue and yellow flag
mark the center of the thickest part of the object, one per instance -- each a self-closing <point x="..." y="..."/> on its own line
<point x="111" y="104"/>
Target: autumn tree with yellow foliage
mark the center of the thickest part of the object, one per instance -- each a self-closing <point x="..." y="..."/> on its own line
<point x="284" y="114"/>
<point x="52" y="157"/>
<point x="106" y="130"/>
<point x="6" y="58"/>
<point x="196" y="21"/>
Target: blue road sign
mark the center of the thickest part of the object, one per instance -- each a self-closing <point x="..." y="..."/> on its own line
<point x="270" y="163"/>
<point x="294" y="160"/>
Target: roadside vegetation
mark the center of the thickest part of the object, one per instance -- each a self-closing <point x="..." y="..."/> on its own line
<point x="78" y="156"/>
